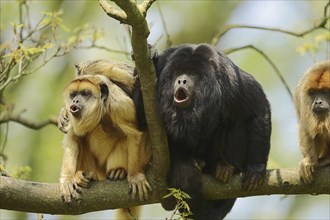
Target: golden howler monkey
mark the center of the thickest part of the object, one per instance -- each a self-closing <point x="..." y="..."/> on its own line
<point x="312" y="101"/>
<point x="102" y="139"/>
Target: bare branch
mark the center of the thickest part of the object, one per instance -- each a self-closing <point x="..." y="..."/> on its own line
<point x="168" y="37"/>
<point x="95" y="46"/>
<point x="45" y="198"/>
<point x="325" y="13"/>
<point x="144" y="6"/>
<point x="112" y="12"/>
<point x="320" y="25"/>
<point x="7" y="116"/>
<point x="277" y="71"/>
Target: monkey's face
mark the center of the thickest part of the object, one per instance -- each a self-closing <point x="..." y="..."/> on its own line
<point x="85" y="100"/>
<point x="183" y="90"/>
<point x="320" y="101"/>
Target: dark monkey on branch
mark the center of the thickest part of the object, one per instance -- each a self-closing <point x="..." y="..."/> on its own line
<point x="312" y="101"/>
<point x="218" y="122"/>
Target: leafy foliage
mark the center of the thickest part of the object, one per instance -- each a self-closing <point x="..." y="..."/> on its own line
<point x="33" y="46"/>
<point x="182" y="206"/>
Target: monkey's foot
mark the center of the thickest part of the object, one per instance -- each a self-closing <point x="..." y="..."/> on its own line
<point x="117" y="174"/>
<point x="224" y="172"/>
<point x="253" y="176"/>
<point x="199" y="164"/>
<point x="63" y="121"/>
<point x="306" y="171"/>
<point x="138" y="184"/>
<point x="70" y="190"/>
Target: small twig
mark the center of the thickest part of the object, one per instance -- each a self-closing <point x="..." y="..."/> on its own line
<point x="145" y="5"/>
<point x="277" y="71"/>
<point x="2" y="149"/>
<point x="168" y="41"/>
<point x="94" y="46"/>
<point x="325" y="13"/>
<point x="295" y="34"/>
<point x="16" y="117"/>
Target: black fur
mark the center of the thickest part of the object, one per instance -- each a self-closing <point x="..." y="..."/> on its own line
<point x="227" y="123"/>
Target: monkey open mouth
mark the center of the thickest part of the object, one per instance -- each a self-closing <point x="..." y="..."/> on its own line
<point x="182" y="98"/>
<point x="75" y="109"/>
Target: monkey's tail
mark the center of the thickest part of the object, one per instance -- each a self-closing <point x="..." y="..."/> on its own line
<point x="218" y="209"/>
<point x="131" y="213"/>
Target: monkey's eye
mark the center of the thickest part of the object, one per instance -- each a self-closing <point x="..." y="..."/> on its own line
<point x="73" y="94"/>
<point x="85" y="93"/>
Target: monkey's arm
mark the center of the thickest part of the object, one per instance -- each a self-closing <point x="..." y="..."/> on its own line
<point x="259" y="131"/>
<point x="310" y="160"/>
<point x="68" y="187"/>
<point x="63" y="122"/>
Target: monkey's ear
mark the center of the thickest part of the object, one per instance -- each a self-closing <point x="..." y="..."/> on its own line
<point x="104" y="91"/>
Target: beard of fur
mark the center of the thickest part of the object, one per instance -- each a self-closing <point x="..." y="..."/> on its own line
<point x="312" y="123"/>
<point x="190" y="124"/>
<point x="88" y="120"/>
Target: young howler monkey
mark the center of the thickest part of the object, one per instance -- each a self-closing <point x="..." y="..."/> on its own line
<point x="102" y="139"/>
<point x="312" y="101"/>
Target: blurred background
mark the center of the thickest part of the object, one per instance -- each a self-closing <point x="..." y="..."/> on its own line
<point x="83" y="24"/>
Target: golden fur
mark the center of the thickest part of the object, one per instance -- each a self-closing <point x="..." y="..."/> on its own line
<point x="314" y="131"/>
<point x="104" y="142"/>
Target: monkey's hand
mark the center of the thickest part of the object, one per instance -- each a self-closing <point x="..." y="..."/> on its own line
<point x="224" y="172"/>
<point x="306" y="170"/>
<point x="70" y="187"/>
<point x="253" y="176"/>
<point x="63" y="122"/>
<point x="70" y="190"/>
<point x="83" y="178"/>
<point x="138" y="184"/>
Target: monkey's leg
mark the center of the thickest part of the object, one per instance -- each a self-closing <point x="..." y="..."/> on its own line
<point x="86" y="168"/>
<point x="224" y="172"/>
<point x="117" y="162"/>
<point x="137" y="180"/>
<point x="258" y="135"/>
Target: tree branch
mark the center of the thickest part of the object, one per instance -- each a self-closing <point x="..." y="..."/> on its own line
<point x="144" y="6"/>
<point x="45" y="197"/>
<point x="112" y="12"/>
<point x="146" y="70"/>
<point x="320" y="25"/>
<point x="8" y="116"/>
<point x="277" y="71"/>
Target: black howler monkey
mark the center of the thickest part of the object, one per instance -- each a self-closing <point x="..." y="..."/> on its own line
<point x="215" y="114"/>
